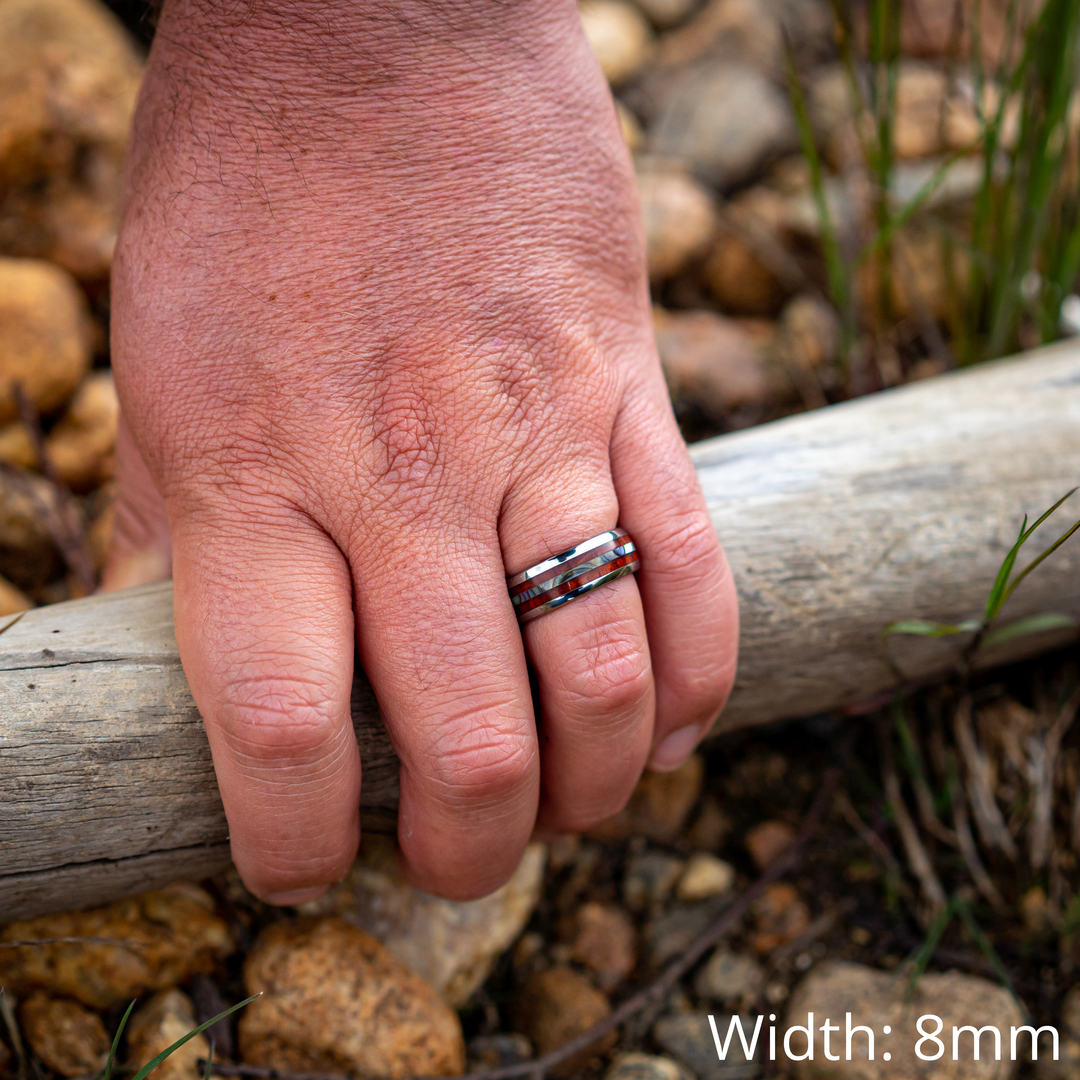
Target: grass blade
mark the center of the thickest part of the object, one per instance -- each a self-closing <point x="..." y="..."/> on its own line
<point x="927" y="628"/>
<point x="1045" y="555"/>
<point x="1032" y="624"/>
<point x="107" y="1071"/>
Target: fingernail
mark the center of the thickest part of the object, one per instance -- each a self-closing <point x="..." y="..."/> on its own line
<point x="675" y="749"/>
<point x="297" y="896"/>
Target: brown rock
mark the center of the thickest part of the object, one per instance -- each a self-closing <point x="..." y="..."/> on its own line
<point x="68" y="1037"/>
<point x="710" y="360"/>
<point x="16" y="447"/>
<point x="711" y="827"/>
<point x="335" y="999"/>
<point x="69" y="75"/>
<point x="44" y="335"/>
<point x="679" y="215"/>
<point x="808" y="334"/>
<point x="605" y="942"/>
<point x="81" y="446"/>
<point x="630" y="127"/>
<point x="746" y="30"/>
<point x="781" y="917"/>
<point x="557" y="1005"/>
<point x="177" y="934"/>
<point x="619" y="36"/>
<point x="740" y="279"/>
<point x="766" y="841"/>
<point x="13" y="600"/>
<point x="659" y="806"/>
<point x="28" y="556"/>
<point x="158" y="1024"/>
<point x="451" y="945"/>
<point x="877" y="998"/>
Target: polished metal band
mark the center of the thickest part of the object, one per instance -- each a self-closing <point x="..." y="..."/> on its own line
<point x="558" y="580"/>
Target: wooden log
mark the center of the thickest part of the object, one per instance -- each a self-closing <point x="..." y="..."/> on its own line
<point x="836" y="522"/>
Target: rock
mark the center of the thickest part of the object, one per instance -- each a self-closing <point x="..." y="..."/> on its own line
<point x="44" y="335"/>
<point x="1070" y="1012"/>
<point x="618" y="35"/>
<point x="808" y="334"/>
<point x="711" y="827"/>
<point x="69" y="75"/>
<point x="744" y="30"/>
<point x="876" y="999"/>
<point x="705" y="876"/>
<point x="605" y="942"/>
<point x="711" y="361"/>
<point x="679" y="217"/>
<point x="451" y="945"/>
<point x="82" y="444"/>
<point x="742" y="282"/>
<point x="672" y="931"/>
<point x="16" y="447"/>
<point x="766" y="841"/>
<point x="659" y="806"/>
<point x="68" y="1037"/>
<point x="725" y="119"/>
<point x="688" y="1038"/>
<point x="646" y="1067"/>
<point x="28" y="556"/>
<point x="155" y="1026"/>
<point x="649" y="879"/>
<point x="335" y="999"/>
<point x="13" y="600"/>
<point x="667" y="13"/>
<point x="781" y="917"/>
<point x="498" y="1051"/>
<point x="557" y="1005"/>
<point x="630" y="126"/>
<point x="176" y="928"/>
<point x="5" y="1062"/>
<point x="729" y="976"/>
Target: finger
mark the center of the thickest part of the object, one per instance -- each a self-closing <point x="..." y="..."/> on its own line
<point x="263" y="604"/>
<point x="686" y="587"/>
<point x="140" y="551"/>
<point x="440" y="644"/>
<point x="591" y="656"/>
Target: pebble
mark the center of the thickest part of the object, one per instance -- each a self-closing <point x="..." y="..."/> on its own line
<point x="688" y="1038"/>
<point x="808" y="334"/>
<point x="725" y="119"/>
<point x="781" y="917"/>
<point x="179" y="934"/>
<point x="745" y="30"/>
<point x="737" y="275"/>
<point x="28" y="555"/>
<point x="671" y="932"/>
<point x="69" y="75"/>
<point x="666" y="14"/>
<point x="766" y="841"/>
<point x="705" y="876"/>
<point x="710" y="360"/>
<point x="649" y="879"/>
<point x="619" y="36"/>
<point x="498" y="1051"/>
<point x="728" y="976"/>
<point x="711" y="827"/>
<point x="605" y="942"/>
<point x="877" y="998"/>
<point x="333" y="998"/>
<point x="44" y="335"/>
<point x="155" y="1026"/>
<point x="81" y="445"/>
<point x="451" y="945"/>
<point x="12" y="599"/>
<point x="68" y="1037"/>
<point x="659" y="806"/>
<point x="632" y="132"/>
<point x="16" y="447"/>
<point x="646" y="1067"/>
<point x="557" y="1005"/>
<point x="679" y="215"/>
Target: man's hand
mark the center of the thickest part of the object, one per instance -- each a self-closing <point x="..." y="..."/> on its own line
<point x="382" y="336"/>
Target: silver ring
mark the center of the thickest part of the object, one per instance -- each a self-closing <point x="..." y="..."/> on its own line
<point x="565" y="577"/>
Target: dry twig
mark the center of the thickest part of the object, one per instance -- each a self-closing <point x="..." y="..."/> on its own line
<point x="983" y="882"/>
<point x="1042" y="762"/>
<point x="980" y="786"/>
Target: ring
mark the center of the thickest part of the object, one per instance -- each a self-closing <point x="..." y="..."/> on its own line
<point x="562" y="578"/>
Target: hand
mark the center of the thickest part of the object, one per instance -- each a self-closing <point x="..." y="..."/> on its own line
<point x="382" y="336"/>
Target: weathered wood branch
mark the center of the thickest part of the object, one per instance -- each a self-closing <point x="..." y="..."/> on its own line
<point x="836" y="522"/>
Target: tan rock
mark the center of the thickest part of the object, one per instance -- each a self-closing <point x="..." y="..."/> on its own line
<point x="808" y="334"/>
<point x="659" y="806"/>
<point x="746" y="30"/>
<point x="781" y="917"/>
<point x="742" y="282"/>
<point x="16" y="447"/>
<point x="619" y="36"/>
<point x="605" y="942"/>
<point x="175" y="933"/>
<point x="728" y="976"/>
<point x="335" y="999"/>
<point x="67" y="1036"/>
<point x="876" y="999"/>
<point x="155" y="1026"/>
<point x="451" y="945"/>
<point x="630" y="127"/>
<point x="99" y="530"/>
<point x="69" y="75"/>
<point x="81" y="446"/>
<point x="679" y="216"/>
<point x="13" y="600"/>
<point x="645" y="1067"/>
<point x="711" y="360"/>
<point x="28" y="556"/>
<point x="766" y="841"/>
<point x="705" y="876"/>
<point x="557" y="1005"/>
<point x="44" y="335"/>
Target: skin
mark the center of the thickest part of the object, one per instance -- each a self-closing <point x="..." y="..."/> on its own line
<point x="382" y="336"/>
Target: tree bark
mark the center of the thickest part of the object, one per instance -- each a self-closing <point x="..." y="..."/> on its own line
<point x="898" y="505"/>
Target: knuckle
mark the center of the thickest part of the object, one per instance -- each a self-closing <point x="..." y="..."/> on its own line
<point x="608" y="671"/>
<point x="688" y="544"/>
<point x="405" y="436"/>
